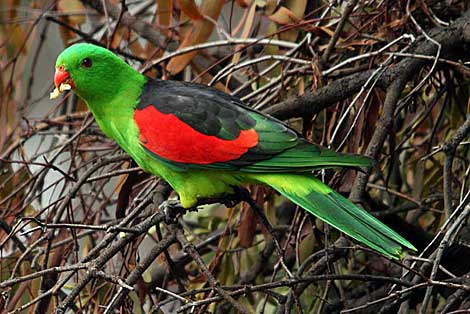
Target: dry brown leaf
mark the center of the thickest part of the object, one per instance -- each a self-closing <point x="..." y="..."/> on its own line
<point x="164" y="15"/>
<point x="326" y="30"/>
<point x="200" y="32"/>
<point x="190" y="8"/>
<point x="468" y="105"/>
<point x="16" y="37"/>
<point x="66" y="8"/>
<point x="72" y="7"/>
<point x="137" y="49"/>
<point x="426" y="220"/>
<point x="246" y="32"/>
<point x="247" y="228"/>
<point x="270" y="7"/>
<point x="244" y="3"/>
<point x="398" y="22"/>
<point x="297" y="7"/>
<point x="284" y="16"/>
<point x="357" y="42"/>
<point x="291" y="12"/>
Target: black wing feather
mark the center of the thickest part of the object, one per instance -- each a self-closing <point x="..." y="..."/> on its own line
<point x="205" y="109"/>
<point x="215" y="113"/>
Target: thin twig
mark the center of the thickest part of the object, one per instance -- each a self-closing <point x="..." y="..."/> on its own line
<point x="191" y="250"/>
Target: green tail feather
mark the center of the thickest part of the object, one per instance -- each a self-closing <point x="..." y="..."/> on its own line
<point x="331" y="207"/>
<point x="306" y="157"/>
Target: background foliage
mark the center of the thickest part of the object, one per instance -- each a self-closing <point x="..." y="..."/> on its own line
<point x="80" y="227"/>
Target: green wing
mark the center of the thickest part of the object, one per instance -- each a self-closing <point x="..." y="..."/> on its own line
<point x="211" y="112"/>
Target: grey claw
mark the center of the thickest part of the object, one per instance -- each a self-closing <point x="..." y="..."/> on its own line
<point x="171" y="208"/>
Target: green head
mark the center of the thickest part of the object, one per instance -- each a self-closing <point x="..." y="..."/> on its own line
<point x="96" y="74"/>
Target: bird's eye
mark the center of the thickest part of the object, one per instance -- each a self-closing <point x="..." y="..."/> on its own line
<point x="86" y="63"/>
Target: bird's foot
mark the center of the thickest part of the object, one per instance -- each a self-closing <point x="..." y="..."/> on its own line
<point x="231" y="200"/>
<point x="172" y="209"/>
<point x="240" y="194"/>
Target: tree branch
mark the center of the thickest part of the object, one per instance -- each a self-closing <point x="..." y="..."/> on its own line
<point x="312" y="102"/>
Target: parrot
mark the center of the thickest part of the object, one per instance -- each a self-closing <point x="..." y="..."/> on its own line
<point x="205" y="142"/>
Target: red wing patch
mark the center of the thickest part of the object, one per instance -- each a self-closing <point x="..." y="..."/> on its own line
<point x="167" y="136"/>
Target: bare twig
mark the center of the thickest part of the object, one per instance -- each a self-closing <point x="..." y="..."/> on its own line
<point x="344" y="18"/>
<point x="189" y="248"/>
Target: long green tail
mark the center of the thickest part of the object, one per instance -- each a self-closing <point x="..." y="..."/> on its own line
<point x="331" y="207"/>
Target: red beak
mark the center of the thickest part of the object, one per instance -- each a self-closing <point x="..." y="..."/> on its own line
<point x="60" y="76"/>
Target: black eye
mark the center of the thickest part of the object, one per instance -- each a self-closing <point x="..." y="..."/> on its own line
<point x="87" y="63"/>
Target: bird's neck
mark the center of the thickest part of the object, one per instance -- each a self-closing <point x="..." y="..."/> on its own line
<point x="113" y="109"/>
<point x="118" y="95"/>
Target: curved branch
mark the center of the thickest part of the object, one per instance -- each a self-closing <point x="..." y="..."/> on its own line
<point x="384" y="126"/>
<point x="313" y="102"/>
<point x="141" y="27"/>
